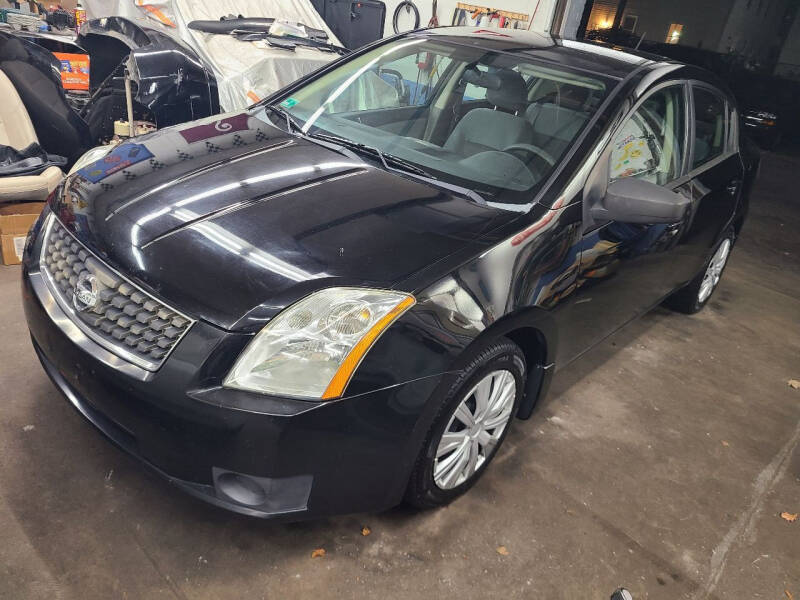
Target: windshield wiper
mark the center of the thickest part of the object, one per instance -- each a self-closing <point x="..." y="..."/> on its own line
<point x="405" y="166"/>
<point x="288" y="42"/>
<point x="291" y="124"/>
<point x="385" y="158"/>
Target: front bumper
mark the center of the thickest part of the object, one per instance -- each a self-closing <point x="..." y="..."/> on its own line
<point x="260" y="456"/>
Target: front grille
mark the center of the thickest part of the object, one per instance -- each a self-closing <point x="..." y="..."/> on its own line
<point x="117" y="314"/>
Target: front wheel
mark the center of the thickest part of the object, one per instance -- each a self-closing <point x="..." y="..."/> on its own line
<point x="471" y="425"/>
<point x="694" y="296"/>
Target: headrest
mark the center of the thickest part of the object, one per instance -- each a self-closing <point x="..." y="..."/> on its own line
<point x="505" y="88"/>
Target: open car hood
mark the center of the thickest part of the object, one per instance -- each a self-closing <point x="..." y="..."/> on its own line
<point x="172" y="82"/>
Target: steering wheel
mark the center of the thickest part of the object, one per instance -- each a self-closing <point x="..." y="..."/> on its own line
<point x="531" y="149"/>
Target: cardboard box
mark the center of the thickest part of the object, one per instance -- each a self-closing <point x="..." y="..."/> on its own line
<point x="15" y="221"/>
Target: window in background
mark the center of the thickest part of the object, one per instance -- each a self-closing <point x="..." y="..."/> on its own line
<point x="674" y="33"/>
<point x="629" y="23"/>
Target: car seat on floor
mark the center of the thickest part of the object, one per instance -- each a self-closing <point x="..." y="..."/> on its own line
<point x="16" y="131"/>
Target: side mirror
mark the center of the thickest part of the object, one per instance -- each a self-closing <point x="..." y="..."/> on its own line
<point x="631" y="200"/>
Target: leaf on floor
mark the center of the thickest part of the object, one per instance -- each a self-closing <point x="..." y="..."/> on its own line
<point x="794" y="383"/>
<point x="788" y="594"/>
<point x="502" y="550"/>
<point x="318" y="553"/>
<point x="365" y="531"/>
<point x="787" y="516"/>
<point x="726" y="444"/>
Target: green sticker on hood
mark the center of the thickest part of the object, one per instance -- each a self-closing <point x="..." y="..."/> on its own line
<point x="289" y="102"/>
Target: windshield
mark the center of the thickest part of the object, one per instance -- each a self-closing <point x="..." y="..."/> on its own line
<point x="496" y="123"/>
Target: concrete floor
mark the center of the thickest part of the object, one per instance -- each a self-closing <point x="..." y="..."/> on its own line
<point x="660" y="461"/>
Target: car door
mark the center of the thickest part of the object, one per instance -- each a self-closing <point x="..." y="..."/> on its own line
<point x="626" y="268"/>
<point x="716" y="173"/>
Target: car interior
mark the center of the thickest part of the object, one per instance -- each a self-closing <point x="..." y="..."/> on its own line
<point x="491" y="119"/>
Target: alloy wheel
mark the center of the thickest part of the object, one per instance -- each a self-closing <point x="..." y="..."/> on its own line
<point x="714" y="270"/>
<point x="474" y="429"/>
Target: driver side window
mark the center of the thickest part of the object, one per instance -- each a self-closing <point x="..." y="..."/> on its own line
<point x="650" y="144"/>
<point x="406" y="81"/>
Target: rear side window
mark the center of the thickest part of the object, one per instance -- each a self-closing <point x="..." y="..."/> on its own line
<point x="474" y="92"/>
<point x="709" y="126"/>
<point x="650" y="144"/>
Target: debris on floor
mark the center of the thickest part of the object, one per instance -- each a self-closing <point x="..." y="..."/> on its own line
<point x="787" y="516"/>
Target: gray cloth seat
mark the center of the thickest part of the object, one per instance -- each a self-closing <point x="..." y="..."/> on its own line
<point x="484" y="129"/>
<point x="553" y="126"/>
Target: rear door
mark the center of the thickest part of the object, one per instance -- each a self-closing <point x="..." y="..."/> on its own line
<point x="716" y="173"/>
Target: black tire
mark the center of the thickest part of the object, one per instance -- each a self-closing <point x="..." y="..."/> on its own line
<point x="687" y="299"/>
<point x="499" y="354"/>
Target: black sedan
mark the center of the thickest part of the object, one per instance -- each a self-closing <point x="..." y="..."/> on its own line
<point x="342" y="297"/>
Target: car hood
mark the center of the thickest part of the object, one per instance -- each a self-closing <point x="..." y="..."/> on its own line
<point x="230" y="219"/>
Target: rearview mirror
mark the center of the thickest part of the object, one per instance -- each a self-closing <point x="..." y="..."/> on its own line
<point x="632" y="200"/>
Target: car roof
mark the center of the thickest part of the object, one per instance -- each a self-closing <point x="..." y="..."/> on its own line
<point x="591" y="57"/>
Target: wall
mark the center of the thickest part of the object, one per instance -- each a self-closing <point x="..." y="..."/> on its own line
<point x="752" y="29"/>
<point x="655" y="17"/>
<point x="541" y="23"/>
<point x="747" y="27"/>
<point x="789" y="59"/>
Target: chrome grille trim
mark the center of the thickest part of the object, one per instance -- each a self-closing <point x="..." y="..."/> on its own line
<point x="126" y="320"/>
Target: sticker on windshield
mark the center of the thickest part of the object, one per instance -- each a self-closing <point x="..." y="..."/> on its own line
<point x="289" y="102"/>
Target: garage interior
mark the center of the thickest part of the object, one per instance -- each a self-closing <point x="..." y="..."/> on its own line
<point x="662" y="460"/>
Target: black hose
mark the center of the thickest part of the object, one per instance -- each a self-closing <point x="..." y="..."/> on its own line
<point x="409" y="6"/>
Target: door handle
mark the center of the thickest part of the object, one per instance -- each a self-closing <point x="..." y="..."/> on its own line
<point x="733" y="187"/>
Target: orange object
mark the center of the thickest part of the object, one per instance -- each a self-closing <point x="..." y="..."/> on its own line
<point x="342" y="378"/>
<point x="155" y="13"/>
<point x="74" y="70"/>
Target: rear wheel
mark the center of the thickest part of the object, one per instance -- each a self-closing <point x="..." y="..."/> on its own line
<point x="471" y="425"/>
<point x="694" y="296"/>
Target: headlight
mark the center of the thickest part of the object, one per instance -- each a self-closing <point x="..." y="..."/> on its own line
<point x="312" y="348"/>
<point x="89" y="157"/>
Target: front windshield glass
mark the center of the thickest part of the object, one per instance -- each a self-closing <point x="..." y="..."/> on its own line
<point x="496" y="123"/>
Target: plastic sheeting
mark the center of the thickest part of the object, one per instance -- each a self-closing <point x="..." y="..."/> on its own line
<point x="246" y="71"/>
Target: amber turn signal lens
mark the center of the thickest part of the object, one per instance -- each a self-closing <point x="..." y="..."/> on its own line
<point x="339" y="382"/>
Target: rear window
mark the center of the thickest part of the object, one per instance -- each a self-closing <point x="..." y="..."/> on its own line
<point x="709" y="126"/>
